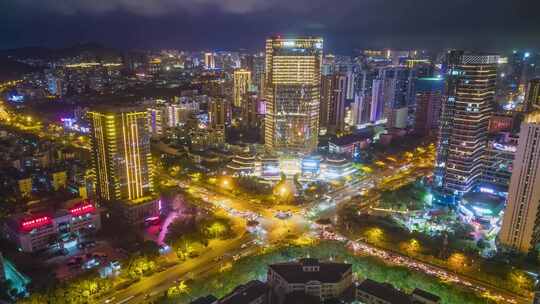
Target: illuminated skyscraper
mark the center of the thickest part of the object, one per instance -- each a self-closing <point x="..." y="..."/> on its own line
<point x="242" y="81"/>
<point x="470" y="90"/>
<point x="532" y="99"/>
<point x="219" y="112"/>
<point x="521" y="217"/>
<point x="332" y="108"/>
<point x="292" y="92"/>
<point x="121" y="154"/>
<point x="258" y="71"/>
<point x="209" y="61"/>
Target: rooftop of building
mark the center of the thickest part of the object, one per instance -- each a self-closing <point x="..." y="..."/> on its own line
<point x="426" y="295"/>
<point x="384" y="291"/>
<point x="296" y="272"/>
<point x="245" y="294"/>
<point x="209" y="299"/>
<point x="348" y="139"/>
<point x="117" y="108"/>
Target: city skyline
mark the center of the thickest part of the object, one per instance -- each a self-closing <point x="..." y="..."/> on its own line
<point x="270" y="152"/>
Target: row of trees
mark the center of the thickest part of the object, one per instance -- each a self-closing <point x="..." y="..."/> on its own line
<point x="255" y="267"/>
<point x="449" y="251"/>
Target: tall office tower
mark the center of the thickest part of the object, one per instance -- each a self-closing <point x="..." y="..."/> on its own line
<point x="521" y="69"/>
<point x="361" y="108"/>
<point x="209" y="61"/>
<point x="258" y="72"/>
<point x="121" y="154"/>
<point x="397" y="88"/>
<point x="219" y="113"/>
<point x="328" y="65"/>
<point x="428" y="100"/>
<point x="532" y="99"/>
<point x="377" y="100"/>
<point x="156" y="120"/>
<point x="326" y="96"/>
<point x="520" y="223"/>
<point x="292" y="91"/>
<point x="242" y="81"/>
<point x="249" y="111"/>
<point x="332" y="108"/>
<point x="336" y="104"/>
<point x="467" y="106"/>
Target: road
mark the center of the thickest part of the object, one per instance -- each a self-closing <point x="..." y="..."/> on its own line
<point x="161" y="281"/>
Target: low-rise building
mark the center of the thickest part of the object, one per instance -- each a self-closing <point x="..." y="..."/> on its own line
<point x="349" y="145"/>
<point x="37" y="231"/>
<point x="324" y="280"/>
<point x="371" y="292"/>
<point x="254" y="292"/>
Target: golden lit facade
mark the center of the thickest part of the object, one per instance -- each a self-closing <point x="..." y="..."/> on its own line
<point x="463" y="131"/>
<point x="292" y="91"/>
<point x="121" y="154"/>
<point x="242" y="81"/>
<point x="209" y="61"/>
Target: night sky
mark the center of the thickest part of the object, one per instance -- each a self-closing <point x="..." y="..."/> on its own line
<point x="233" y="24"/>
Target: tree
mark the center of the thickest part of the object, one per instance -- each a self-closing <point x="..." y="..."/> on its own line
<point x="149" y="249"/>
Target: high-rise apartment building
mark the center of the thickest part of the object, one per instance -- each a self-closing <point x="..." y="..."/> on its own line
<point x="219" y="113"/>
<point x="470" y="90"/>
<point x="532" y="99"/>
<point x="242" y="81"/>
<point x="428" y="99"/>
<point x="121" y="154"/>
<point x="332" y="108"/>
<point x="292" y="91"/>
<point x="520" y="228"/>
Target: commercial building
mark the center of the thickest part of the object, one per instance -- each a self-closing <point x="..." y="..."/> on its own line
<point x="470" y="90"/>
<point x="251" y="111"/>
<point x="292" y="93"/>
<point x="242" y="83"/>
<point x="428" y="100"/>
<point x="37" y="231"/>
<point x="519" y="230"/>
<point x="348" y="145"/>
<point x="500" y="153"/>
<point x="323" y="280"/>
<point x="121" y="154"/>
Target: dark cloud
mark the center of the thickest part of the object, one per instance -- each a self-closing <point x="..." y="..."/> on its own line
<point x="226" y="24"/>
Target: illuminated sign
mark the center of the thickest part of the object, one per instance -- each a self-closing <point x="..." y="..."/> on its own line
<point x="505" y="148"/>
<point x="487" y="190"/>
<point x="288" y="43"/>
<point x="37" y="222"/>
<point x="82" y="209"/>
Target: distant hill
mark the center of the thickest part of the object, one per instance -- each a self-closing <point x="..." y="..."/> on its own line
<point x="13" y="70"/>
<point x="89" y="50"/>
